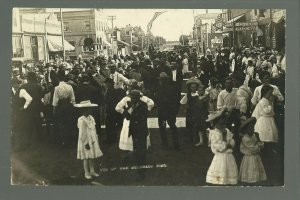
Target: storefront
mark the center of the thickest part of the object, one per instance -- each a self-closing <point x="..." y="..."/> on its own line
<point x="56" y="46"/>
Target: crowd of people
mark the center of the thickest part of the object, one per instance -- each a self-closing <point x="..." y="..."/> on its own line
<point x="233" y="97"/>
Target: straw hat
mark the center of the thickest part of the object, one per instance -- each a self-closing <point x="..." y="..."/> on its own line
<point x="215" y="115"/>
<point x="85" y="104"/>
<point x="193" y="80"/>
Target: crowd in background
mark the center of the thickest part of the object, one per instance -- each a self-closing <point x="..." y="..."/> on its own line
<point x="247" y="82"/>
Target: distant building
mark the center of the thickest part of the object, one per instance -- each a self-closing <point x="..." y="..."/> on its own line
<point x="202" y="30"/>
<point x="36" y="35"/>
<point x="86" y="30"/>
<point x="255" y="26"/>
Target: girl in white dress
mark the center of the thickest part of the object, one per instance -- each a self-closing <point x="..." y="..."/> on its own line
<point x="223" y="169"/>
<point x="264" y="114"/>
<point x="88" y="146"/>
<point x="251" y="169"/>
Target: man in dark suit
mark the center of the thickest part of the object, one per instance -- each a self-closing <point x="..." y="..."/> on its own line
<point x="113" y="119"/>
<point x="137" y="113"/>
<point x="29" y="118"/>
<point x="97" y="81"/>
<point x="168" y="106"/>
<point x="175" y="73"/>
<point x="50" y="75"/>
<point x="148" y="75"/>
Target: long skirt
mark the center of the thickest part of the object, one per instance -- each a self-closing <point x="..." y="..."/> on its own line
<point x="223" y="170"/>
<point x="126" y="143"/>
<point x="252" y="169"/>
<point x="267" y="129"/>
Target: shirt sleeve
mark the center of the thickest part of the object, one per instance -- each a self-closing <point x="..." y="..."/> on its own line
<point x="277" y="93"/>
<point x="121" y="105"/>
<point x="55" y="98"/>
<point x="148" y="101"/>
<point x="82" y="126"/>
<point x="123" y="79"/>
<point x="183" y="100"/>
<point x="72" y="96"/>
<point x="217" y="143"/>
<point x="220" y="101"/>
<point x="248" y="147"/>
<point x="26" y="96"/>
<point x="254" y="99"/>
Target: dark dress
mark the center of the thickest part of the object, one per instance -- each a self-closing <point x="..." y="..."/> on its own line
<point x="114" y="120"/>
<point x="28" y="121"/>
<point x="196" y="114"/>
<point x="65" y="113"/>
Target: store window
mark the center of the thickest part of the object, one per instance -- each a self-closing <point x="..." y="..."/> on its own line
<point x="41" y="48"/>
<point x="17" y="46"/>
<point x="27" y="47"/>
<point x="87" y="25"/>
<point x="66" y="26"/>
<point x="88" y="44"/>
<point x="73" y="43"/>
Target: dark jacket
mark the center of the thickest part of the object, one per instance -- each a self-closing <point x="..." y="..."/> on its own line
<point x="138" y="127"/>
<point x="36" y="92"/>
<point x="53" y="77"/>
<point x="86" y="92"/>
<point x="168" y="100"/>
<point x="148" y="76"/>
<point x="98" y="83"/>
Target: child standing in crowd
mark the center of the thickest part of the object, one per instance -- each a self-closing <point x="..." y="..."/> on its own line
<point x="223" y="169"/>
<point x="197" y="110"/>
<point x="213" y="91"/>
<point x="88" y="146"/>
<point x="264" y="114"/>
<point x="251" y="169"/>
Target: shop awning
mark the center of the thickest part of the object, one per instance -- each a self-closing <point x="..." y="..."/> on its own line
<point x="55" y="44"/>
<point x="106" y="42"/>
<point x="235" y="19"/>
<point x="123" y="42"/>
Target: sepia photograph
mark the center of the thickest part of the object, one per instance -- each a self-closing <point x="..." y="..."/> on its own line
<point x="147" y="97"/>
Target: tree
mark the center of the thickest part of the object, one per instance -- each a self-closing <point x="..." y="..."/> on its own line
<point x="184" y="39"/>
<point x="140" y="40"/>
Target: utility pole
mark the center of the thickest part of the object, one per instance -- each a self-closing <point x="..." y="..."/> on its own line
<point x="142" y="43"/>
<point x="233" y="27"/>
<point x="206" y="24"/>
<point x="63" y="34"/>
<point x="130" y="38"/>
<point x="112" y="18"/>
<point x="271" y="31"/>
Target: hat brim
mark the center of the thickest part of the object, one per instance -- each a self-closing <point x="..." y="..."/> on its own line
<point x="86" y="105"/>
<point x="215" y="115"/>
<point x="193" y="81"/>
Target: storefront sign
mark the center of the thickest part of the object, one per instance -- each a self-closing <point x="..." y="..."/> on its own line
<point x="242" y="24"/>
<point x="247" y="28"/>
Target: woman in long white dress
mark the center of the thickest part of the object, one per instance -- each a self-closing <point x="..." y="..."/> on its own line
<point x="126" y="142"/>
<point x="264" y="114"/>
<point x="223" y="169"/>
